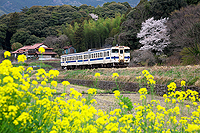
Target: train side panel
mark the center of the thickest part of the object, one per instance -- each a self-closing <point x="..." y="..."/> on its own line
<point x="118" y="55"/>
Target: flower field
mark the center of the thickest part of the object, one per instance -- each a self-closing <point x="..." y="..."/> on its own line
<point x="28" y="105"/>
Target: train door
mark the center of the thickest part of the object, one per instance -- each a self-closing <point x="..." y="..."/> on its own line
<point x="121" y="55"/>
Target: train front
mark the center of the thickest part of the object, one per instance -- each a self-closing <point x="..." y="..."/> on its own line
<point x="120" y="56"/>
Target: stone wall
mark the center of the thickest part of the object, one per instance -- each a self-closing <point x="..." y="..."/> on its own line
<point x="124" y="86"/>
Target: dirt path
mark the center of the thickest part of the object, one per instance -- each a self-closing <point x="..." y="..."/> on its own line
<point x="107" y="101"/>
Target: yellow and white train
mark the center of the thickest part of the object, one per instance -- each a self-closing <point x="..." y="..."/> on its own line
<point x="117" y="56"/>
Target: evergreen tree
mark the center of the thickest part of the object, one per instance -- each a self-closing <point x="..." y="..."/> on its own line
<point x="12" y="28"/>
<point x="79" y="39"/>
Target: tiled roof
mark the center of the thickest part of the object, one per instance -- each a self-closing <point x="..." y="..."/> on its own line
<point x="19" y="51"/>
<point x="45" y="48"/>
<point x="45" y="53"/>
<point x="36" y="45"/>
<point x="25" y="47"/>
<point x="66" y="47"/>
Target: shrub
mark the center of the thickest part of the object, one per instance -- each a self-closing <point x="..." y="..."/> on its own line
<point x="142" y="57"/>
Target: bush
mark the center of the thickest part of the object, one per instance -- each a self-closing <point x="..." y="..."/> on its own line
<point x="191" y="55"/>
<point x="142" y="57"/>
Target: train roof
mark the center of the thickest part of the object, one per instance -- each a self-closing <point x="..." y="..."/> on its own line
<point x="87" y="52"/>
<point x="93" y="51"/>
<point x="126" y="47"/>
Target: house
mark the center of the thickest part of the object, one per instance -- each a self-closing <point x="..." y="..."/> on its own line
<point x="69" y="49"/>
<point x="22" y="50"/>
<point x="31" y="51"/>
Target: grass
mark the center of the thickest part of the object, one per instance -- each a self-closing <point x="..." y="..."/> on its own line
<point x="162" y="74"/>
<point x="35" y="65"/>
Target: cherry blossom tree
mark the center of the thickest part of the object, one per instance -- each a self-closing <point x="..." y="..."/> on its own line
<point x="154" y="35"/>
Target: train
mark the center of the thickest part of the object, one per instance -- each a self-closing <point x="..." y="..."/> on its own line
<point x="116" y="56"/>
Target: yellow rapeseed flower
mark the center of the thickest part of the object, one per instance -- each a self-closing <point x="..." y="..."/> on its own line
<point x="21" y="58"/>
<point x="8" y="79"/>
<point x="65" y="83"/>
<point x="7" y="53"/>
<point x="43" y="83"/>
<point x="29" y="69"/>
<point x="182" y="83"/>
<point x="92" y="91"/>
<point x="192" y="127"/>
<point x="93" y="101"/>
<point x="116" y="93"/>
<point x="54" y="83"/>
<point x="97" y="75"/>
<point x="115" y="75"/>
<point x="171" y="86"/>
<point x="143" y="91"/>
<point x="139" y="77"/>
<point x="187" y="106"/>
<point x="41" y="50"/>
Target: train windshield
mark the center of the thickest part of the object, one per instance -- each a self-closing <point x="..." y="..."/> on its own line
<point x="115" y="50"/>
<point x="127" y="50"/>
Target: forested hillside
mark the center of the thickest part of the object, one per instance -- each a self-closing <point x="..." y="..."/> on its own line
<point x="34" y="24"/>
<point x="118" y="23"/>
<point x="8" y="6"/>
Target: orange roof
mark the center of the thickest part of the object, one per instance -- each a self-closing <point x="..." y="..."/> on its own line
<point x="25" y="47"/>
<point x="66" y="47"/>
<point x="36" y="45"/>
<point x="45" y="53"/>
<point x="19" y="51"/>
<point x="45" y="48"/>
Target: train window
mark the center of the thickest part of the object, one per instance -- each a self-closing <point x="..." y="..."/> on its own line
<point x="108" y="53"/>
<point x="98" y="55"/>
<point x="115" y="50"/>
<point x="101" y="54"/>
<point x="85" y="56"/>
<point x="127" y="50"/>
<point x="89" y="56"/>
<point x="121" y="51"/>
<point x="104" y="54"/>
